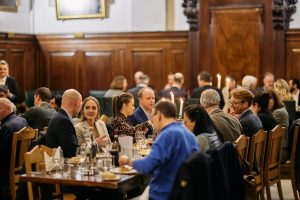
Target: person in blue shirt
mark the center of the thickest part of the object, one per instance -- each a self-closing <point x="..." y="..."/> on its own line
<point x="173" y="145"/>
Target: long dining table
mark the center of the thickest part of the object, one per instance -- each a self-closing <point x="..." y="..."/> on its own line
<point x="126" y="182"/>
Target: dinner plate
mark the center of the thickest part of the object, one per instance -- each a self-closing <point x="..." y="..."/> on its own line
<point x="112" y="179"/>
<point x="118" y="170"/>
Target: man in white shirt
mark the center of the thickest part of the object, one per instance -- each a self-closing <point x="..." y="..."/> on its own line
<point x="10" y="82"/>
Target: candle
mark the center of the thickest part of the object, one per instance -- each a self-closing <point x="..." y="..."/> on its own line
<point x="227" y="82"/>
<point x="181" y="108"/>
<point x="172" y="97"/>
<point x="219" y="81"/>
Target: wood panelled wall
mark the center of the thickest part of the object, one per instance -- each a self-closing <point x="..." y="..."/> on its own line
<point x="90" y="61"/>
<point x="235" y="37"/>
<point x="22" y="53"/>
<point x="293" y="54"/>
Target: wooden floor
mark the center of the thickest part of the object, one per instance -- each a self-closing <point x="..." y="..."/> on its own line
<point x="286" y="189"/>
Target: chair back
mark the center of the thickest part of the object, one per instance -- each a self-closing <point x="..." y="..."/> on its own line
<point x="273" y="153"/>
<point x="294" y="147"/>
<point x="273" y="159"/>
<point x="34" y="161"/>
<point x="97" y="93"/>
<point x="257" y="150"/>
<point x="242" y="145"/>
<point x="20" y="144"/>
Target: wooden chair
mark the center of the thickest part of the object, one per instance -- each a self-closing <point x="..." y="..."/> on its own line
<point x="272" y="162"/>
<point x="256" y="156"/>
<point x="242" y="146"/>
<point x="20" y="143"/>
<point x="35" y="160"/>
<point x="288" y="169"/>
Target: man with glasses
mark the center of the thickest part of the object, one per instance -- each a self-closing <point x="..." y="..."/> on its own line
<point x="241" y="100"/>
<point x="173" y="145"/>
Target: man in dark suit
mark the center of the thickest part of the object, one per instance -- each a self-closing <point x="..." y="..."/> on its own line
<point x="241" y="100"/>
<point x="294" y="85"/>
<point x="61" y="131"/>
<point x="142" y="81"/>
<point x="177" y="87"/>
<point x="143" y="112"/>
<point x="10" y="123"/>
<point x="40" y="115"/>
<point x="10" y="82"/>
<point x="204" y="82"/>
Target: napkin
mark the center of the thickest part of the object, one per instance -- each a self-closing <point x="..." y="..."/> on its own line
<point x="126" y="145"/>
<point x="50" y="163"/>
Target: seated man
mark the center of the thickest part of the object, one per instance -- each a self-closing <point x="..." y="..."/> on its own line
<point x="172" y="146"/>
<point x="228" y="125"/>
<point x="204" y="82"/>
<point x="241" y="100"/>
<point x="40" y="115"/>
<point x="10" y="123"/>
<point x="61" y="131"/>
<point x="3" y="91"/>
<point x="143" y="112"/>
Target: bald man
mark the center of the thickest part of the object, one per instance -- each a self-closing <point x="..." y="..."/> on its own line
<point x="61" y="131"/>
<point x="10" y="123"/>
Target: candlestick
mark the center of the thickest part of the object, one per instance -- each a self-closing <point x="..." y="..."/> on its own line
<point x="181" y="108"/>
<point x="219" y="81"/>
<point x="172" y="97"/>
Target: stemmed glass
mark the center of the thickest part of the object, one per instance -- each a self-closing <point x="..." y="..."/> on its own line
<point x="58" y="160"/>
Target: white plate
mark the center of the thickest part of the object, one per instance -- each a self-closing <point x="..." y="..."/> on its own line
<point x="118" y="170"/>
<point x="112" y="179"/>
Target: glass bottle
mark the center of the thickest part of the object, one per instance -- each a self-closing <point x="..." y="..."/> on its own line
<point x="115" y="149"/>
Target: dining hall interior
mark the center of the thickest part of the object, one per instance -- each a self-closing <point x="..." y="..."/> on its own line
<point x="62" y="45"/>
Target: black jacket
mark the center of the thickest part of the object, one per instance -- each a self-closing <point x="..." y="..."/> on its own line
<point x="10" y="125"/>
<point x="61" y="132"/>
<point x="216" y="175"/>
<point x="196" y="93"/>
<point x="11" y="83"/>
<point x="39" y="117"/>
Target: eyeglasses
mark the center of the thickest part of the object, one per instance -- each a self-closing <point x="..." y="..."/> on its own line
<point x="235" y="103"/>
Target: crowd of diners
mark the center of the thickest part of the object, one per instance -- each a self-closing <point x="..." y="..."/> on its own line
<point x="219" y="116"/>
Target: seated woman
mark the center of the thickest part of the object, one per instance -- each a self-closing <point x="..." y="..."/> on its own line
<point x="89" y="118"/>
<point x="281" y="115"/>
<point x="198" y="121"/>
<point x="123" y="106"/>
<point x="260" y="106"/>
<point x="117" y="86"/>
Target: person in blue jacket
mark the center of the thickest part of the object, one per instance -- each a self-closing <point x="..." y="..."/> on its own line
<point x="173" y="145"/>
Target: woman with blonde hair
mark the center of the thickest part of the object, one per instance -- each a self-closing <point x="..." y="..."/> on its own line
<point x="89" y="120"/>
<point x="283" y="90"/>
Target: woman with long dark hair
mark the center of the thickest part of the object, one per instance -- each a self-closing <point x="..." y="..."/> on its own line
<point x="123" y="106"/>
<point x="198" y="121"/>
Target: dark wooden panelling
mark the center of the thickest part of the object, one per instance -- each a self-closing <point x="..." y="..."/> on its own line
<point x="271" y="42"/>
<point x="62" y="70"/>
<point x="20" y="51"/>
<point x="233" y="49"/>
<point x="99" y="57"/>
<point x="97" y="64"/>
<point x="147" y="60"/>
<point x="293" y="54"/>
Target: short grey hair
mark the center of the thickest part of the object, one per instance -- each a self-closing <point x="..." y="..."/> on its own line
<point x="249" y="80"/>
<point x="210" y="97"/>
